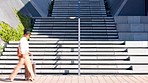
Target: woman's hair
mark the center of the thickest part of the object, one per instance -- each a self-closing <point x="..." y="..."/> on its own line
<point x="26" y="31"/>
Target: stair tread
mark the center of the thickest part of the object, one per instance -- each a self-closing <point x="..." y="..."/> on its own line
<point x="69" y="57"/>
<point x="99" y="42"/>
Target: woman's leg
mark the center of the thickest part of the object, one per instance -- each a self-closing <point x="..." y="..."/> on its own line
<point x="17" y="68"/>
<point x="29" y="68"/>
<point x="27" y="74"/>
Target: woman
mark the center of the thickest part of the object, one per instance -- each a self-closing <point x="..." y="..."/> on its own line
<point x="23" y="54"/>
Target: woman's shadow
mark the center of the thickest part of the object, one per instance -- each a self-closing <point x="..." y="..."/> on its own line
<point x="7" y="79"/>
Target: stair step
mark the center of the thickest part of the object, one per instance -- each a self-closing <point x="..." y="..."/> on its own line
<point x="91" y="23"/>
<point x="74" y="20"/>
<point x="82" y="32"/>
<point x="82" y="54"/>
<point x="75" y="36"/>
<point x="80" y="15"/>
<point x="83" y="29"/>
<point x="73" y="67"/>
<point x="75" y="33"/>
<point x="74" y="42"/>
<point x="75" y="7"/>
<point x="76" y="62"/>
<point x="62" y="30"/>
<point x="89" y="35"/>
<point x="45" y="34"/>
<point x="71" y="57"/>
<point x="71" y="49"/>
<point x="76" y="11"/>
<point x="74" y="25"/>
<point x="70" y="45"/>
<point x="86" y="72"/>
<point x="38" y="35"/>
<point x="75" y="53"/>
<point x="115" y="38"/>
<point x="65" y="60"/>
<point x="64" y="18"/>
<point x="53" y="39"/>
<point x="73" y="30"/>
<point x="67" y="19"/>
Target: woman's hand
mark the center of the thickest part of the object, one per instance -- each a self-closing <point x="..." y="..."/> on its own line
<point x="29" y="53"/>
<point x="22" y="56"/>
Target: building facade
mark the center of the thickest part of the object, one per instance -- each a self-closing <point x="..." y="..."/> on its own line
<point x="128" y="7"/>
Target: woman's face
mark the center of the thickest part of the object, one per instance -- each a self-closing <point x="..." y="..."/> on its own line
<point x="27" y="36"/>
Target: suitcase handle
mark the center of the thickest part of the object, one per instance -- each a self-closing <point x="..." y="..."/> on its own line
<point x="32" y="58"/>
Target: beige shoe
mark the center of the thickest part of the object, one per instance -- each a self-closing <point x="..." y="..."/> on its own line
<point x="9" y="80"/>
<point x="31" y="79"/>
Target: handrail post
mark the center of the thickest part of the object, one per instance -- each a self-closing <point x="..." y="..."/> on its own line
<point x="79" y="38"/>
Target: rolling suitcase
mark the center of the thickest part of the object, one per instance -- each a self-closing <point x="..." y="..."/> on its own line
<point x="33" y="67"/>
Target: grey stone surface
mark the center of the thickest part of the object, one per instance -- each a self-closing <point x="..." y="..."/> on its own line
<point x="121" y="19"/>
<point x="121" y="7"/>
<point x="101" y="2"/>
<point x="131" y="8"/>
<point x="123" y="27"/>
<point x="125" y="36"/>
<point x="146" y="28"/>
<point x="7" y="11"/>
<point x="137" y="27"/>
<point x="134" y="19"/>
<point x="131" y="19"/>
<point x="140" y="67"/>
<point x="136" y="44"/>
<point x="139" y="59"/>
<point x="129" y="36"/>
<point x="144" y="19"/>
<point x="36" y="8"/>
<point x="140" y="36"/>
<point x="114" y="5"/>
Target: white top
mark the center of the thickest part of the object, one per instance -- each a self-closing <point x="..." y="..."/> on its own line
<point x="24" y="45"/>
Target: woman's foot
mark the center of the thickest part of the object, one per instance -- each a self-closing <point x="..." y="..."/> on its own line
<point x="9" y="79"/>
<point x="31" y="79"/>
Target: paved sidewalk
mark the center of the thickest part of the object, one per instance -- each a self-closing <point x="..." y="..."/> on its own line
<point x="82" y="79"/>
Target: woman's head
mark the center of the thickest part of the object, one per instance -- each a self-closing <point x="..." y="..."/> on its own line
<point x="27" y="34"/>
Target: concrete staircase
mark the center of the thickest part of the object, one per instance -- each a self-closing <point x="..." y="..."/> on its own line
<point x="93" y="29"/>
<point x="97" y="57"/>
<point x="88" y="8"/>
<point x="54" y="44"/>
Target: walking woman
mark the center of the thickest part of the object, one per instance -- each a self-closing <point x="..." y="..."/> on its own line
<point x="24" y="59"/>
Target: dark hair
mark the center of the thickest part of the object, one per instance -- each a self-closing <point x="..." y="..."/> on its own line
<point x="26" y="31"/>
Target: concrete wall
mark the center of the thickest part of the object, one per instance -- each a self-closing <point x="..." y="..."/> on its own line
<point x="28" y="7"/>
<point x="37" y="8"/>
<point x="133" y="8"/>
<point x="114" y="5"/>
<point x="41" y="6"/>
<point x="7" y="11"/>
<point x="33" y="8"/>
<point x="132" y="27"/>
<point x="130" y="8"/>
